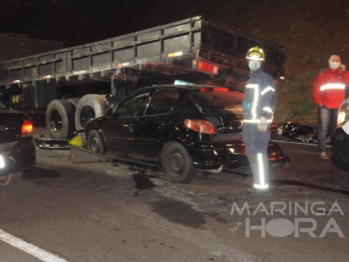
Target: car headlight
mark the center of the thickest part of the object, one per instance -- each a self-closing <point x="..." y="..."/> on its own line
<point x="343" y="114"/>
<point x="2" y="162"/>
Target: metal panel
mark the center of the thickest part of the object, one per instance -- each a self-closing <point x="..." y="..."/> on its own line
<point x="46" y="69"/>
<point x="124" y="55"/>
<point x="180" y="43"/>
<point x="99" y="47"/>
<point x="44" y="93"/>
<point x="102" y="60"/>
<point x="149" y="36"/>
<point x="61" y="64"/>
<point x="149" y="50"/>
<point x="31" y="72"/>
<point x="81" y="64"/>
<point x="80" y="51"/>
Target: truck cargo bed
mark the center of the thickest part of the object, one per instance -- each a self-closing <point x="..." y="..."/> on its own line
<point x="188" y="49"/>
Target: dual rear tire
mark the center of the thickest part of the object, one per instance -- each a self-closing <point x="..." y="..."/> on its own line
<point x="59" y="119"/>
<point x="64" y="117"/>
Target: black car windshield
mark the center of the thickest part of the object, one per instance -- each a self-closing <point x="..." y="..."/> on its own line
<point x="224" y="102"/>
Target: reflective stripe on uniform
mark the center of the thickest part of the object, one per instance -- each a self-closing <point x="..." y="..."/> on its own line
<point x="255" y="102"/>
<point x="261" y="169"/>
<point x="251" y="86"/>
<point x="255" y="121"/>
<point x="267" y="109"/>
<point x="260" y="186"/>
<point x="332" y="86"/>
<point x="255" y="99"/>
<point x="266" y="90"/>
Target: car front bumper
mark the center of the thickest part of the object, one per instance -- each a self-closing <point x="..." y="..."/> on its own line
<point x="17" y="156"/>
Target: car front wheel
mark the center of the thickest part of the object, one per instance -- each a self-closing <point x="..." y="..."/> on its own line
<point x="95" y="143"/>
<point x="178" y="164"/>
<point x="10" y="179"/>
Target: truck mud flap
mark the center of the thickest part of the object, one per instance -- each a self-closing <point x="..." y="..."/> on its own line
<point x="81" y="155"/>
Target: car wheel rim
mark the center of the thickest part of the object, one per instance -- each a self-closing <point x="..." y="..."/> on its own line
<point x="95" y="144"/>
<point x="177" y="162"/>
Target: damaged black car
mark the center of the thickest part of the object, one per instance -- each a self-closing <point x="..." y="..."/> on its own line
<point x="180" y="128"/>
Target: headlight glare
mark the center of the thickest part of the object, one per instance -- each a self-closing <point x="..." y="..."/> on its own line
<point x="343" y="114"/>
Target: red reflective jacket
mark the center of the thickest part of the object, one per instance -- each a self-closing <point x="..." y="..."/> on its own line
<point x="329" y="87"/>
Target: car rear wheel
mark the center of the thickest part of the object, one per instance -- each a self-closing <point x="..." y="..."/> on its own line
<point x="11" y="179"/>
<point x="178" y="164"/>
<point x="95" y="143"/>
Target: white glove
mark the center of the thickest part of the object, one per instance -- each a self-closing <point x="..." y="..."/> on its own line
<point x="263" y="125"/>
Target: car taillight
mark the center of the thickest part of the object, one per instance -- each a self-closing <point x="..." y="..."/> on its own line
<point x="220" y="89"/>
<point x="27" y="128"/>
<point x="200" y="126"/>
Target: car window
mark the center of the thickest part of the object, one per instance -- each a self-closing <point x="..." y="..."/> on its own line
<point x="3" y="105"/>
<point x="162" y="102"/>
<point x="134" y="106"/>
<point x="226" y="103"/>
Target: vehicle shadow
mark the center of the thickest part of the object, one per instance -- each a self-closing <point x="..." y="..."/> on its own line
<point x="37" y="173"/>
<point x="281" y="182"/>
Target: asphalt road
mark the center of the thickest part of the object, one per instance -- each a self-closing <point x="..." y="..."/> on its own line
<point x="113" y="211"/>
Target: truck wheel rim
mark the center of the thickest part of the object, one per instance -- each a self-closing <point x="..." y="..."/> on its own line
<point x="56" y="122"/>
<point x="87" y="114"/>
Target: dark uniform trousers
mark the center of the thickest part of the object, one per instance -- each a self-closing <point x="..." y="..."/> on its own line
<point x="256" y="150"/>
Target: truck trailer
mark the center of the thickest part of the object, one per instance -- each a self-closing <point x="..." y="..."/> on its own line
<point x="72" y="86"/>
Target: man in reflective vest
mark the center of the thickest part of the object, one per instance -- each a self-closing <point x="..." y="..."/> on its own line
<point x="328" y="94"/>
<point x="258" y="108"/>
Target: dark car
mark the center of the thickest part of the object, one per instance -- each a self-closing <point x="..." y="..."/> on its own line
<point x="340" y="146"/>
<point x="182" y="128"/>
<point x="17" y="149"/>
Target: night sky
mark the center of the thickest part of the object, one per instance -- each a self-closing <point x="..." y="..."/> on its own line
<point x="310" y="30"/>
<point x="82" y="21"/>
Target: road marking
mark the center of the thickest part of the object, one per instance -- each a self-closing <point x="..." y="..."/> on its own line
<point x="29" y="248"/>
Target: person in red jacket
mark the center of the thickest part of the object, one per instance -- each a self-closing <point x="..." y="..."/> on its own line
<point x="328" y="94"/>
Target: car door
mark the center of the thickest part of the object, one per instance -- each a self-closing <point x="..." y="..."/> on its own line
<point x="120" y="131"/>
<point x="152" y="128"/>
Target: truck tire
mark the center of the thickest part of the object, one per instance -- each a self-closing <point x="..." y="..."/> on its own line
<point x="178" y="163"/>
<point x="11" y="179"/>
<point x="89" y="107"/>
<point x="74" y="101"/>
<point x="60" y="119"/>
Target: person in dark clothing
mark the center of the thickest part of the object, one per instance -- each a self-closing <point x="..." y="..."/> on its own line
<point x="258" y="109"/>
